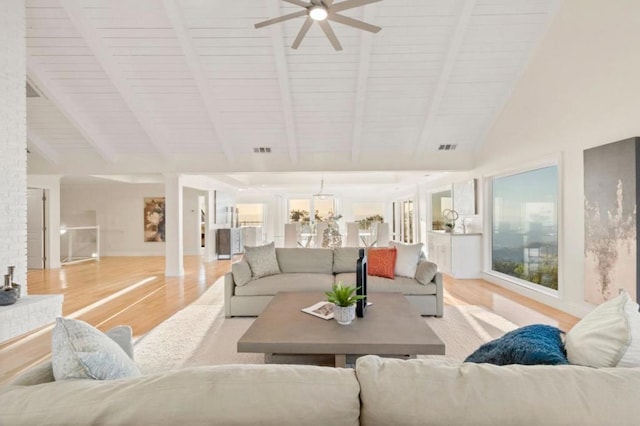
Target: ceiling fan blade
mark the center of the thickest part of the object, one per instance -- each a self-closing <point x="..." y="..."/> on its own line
<point x="350" y="4"/>
<point x="353" y="22"/>
<point x="302" y="33"/>
<point x="327" y="3"/>
<point x="298" y="3"/>
<point x="330" y="34"/>
<point x="281" y="18"/>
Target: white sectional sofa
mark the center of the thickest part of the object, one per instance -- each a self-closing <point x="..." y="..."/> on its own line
<point x="378" y="392"/>
<point x="309" y="269"/>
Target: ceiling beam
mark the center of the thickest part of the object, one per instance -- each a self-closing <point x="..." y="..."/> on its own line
<point x="195" y="66"/>
<point x="364" y="66"/>
<point x="445" y="74"/>
<point x="277" y="39"/>
<point x="42" y="147"/>
<point x="93" y="40"/>
<point x="65" y="104"/>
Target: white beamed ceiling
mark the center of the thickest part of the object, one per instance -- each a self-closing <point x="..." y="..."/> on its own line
<point x="152" y="86"/>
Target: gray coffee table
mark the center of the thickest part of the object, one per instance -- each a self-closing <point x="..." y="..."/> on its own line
<point x="390" y="327"/>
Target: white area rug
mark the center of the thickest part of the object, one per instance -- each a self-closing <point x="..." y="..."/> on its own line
<point x="200" y="335"/>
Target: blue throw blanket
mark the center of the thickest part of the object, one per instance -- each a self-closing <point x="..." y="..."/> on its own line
<point x="533" y="344"/>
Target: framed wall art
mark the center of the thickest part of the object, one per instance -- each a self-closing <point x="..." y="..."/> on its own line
<point x="610" y="191"/>
<point x="154" y="219"/>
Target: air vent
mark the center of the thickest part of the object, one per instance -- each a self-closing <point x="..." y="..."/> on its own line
<point x="262" y="150"/>
<point x="448" y="147"/>
<point x="31" y="92"/>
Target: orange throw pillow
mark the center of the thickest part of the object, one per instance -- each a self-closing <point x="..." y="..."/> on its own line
<point x="382" y="262"/>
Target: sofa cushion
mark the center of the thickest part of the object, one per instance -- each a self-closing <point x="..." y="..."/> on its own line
<point x="404" y="285"/>
<point x="426" y="271"/>
<point x="530" y="345"/>
<point x="224" y="395"/>
<point x="345" y="259"/>
<point x="241" y="272"/>
<point x="444" y="393"/>
<point x="305" y="260"/>
<point x="609" y="336"/>
<point x="408" y="257"/>
<point x="262" y="260"/>
<point x="43" y="373"/>
<point x="80" y="351"/>
<point x="269" y="286"/>
<point x="382" y="262"/>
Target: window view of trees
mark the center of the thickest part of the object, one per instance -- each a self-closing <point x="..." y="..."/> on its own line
<point x="367" y="213"/>
<point x="299" y="210"/>
<point x="525" y="226"/>
<point x="407" y="222"/>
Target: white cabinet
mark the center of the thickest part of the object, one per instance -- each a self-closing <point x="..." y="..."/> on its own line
<point x="458" y="255"/>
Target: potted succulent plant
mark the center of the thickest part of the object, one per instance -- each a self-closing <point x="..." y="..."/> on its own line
<point x="344" y="299"/>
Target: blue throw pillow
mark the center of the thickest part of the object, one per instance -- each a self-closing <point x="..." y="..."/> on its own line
<point x="530" y="345"/>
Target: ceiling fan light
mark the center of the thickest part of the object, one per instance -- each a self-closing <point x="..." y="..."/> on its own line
<point x="318" y="13"/>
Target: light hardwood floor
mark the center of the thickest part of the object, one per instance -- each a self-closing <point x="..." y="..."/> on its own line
<point x="134" y="291"/>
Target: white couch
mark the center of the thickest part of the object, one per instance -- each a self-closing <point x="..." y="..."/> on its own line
<point x="378" y="392"/>
<point x="309" y="269"/>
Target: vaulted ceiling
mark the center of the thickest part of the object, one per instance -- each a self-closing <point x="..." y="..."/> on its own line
<point x="152" y="86"/>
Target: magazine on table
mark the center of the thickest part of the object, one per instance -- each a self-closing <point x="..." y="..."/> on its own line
<point x="322" y="310"/>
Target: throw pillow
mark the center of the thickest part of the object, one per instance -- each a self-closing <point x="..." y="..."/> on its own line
<point x="530" y="345"/>
<point x="408" y="257"/>
<point x="80" y="351"/>
<point x="262" y="260"/>
<point x="123" y="336"/>
<point x="426" y="271"/>
<point x="241" y="272"/>
<point x="609" y="336"/>
<point x="381" y="262"/>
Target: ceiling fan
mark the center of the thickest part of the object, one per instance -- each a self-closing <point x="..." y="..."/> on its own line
<point x="321" y="11"/>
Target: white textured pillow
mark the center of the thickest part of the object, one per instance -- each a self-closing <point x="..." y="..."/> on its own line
<point x="262" y="260"/>
<point x="407" y="259"/>
<point x="609" y="336"/>
<point x="241" y="272"/>
<point x="426" y="271"/>
<point x="123" y="336"/>
<point x="80" y="351"/>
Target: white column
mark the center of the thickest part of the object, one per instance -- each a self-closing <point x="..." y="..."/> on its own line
<point x="13" y="139"/>
<point x="174" y="247"/>
<point x="210" y="242"/>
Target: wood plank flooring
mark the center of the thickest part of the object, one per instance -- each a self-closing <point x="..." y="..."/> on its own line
<point x="134" y="291"/>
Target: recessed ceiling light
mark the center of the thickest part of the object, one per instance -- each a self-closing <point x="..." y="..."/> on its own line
<point x="318" y="13"/>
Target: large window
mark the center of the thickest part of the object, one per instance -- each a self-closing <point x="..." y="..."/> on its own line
<point x="250" y="214"/>
<point x="367" y="213"/>
<point x="406" y="226"/>
<point x="525" y="226"/>
<point x="300" y="210"/>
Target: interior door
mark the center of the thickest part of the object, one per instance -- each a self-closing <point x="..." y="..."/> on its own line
<point x="35" y="228"/>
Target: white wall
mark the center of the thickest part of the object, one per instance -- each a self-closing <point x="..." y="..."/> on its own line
<point x="119" y="213"/>
<point x="191" y="221"/>
<point x="580" y="90"/>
